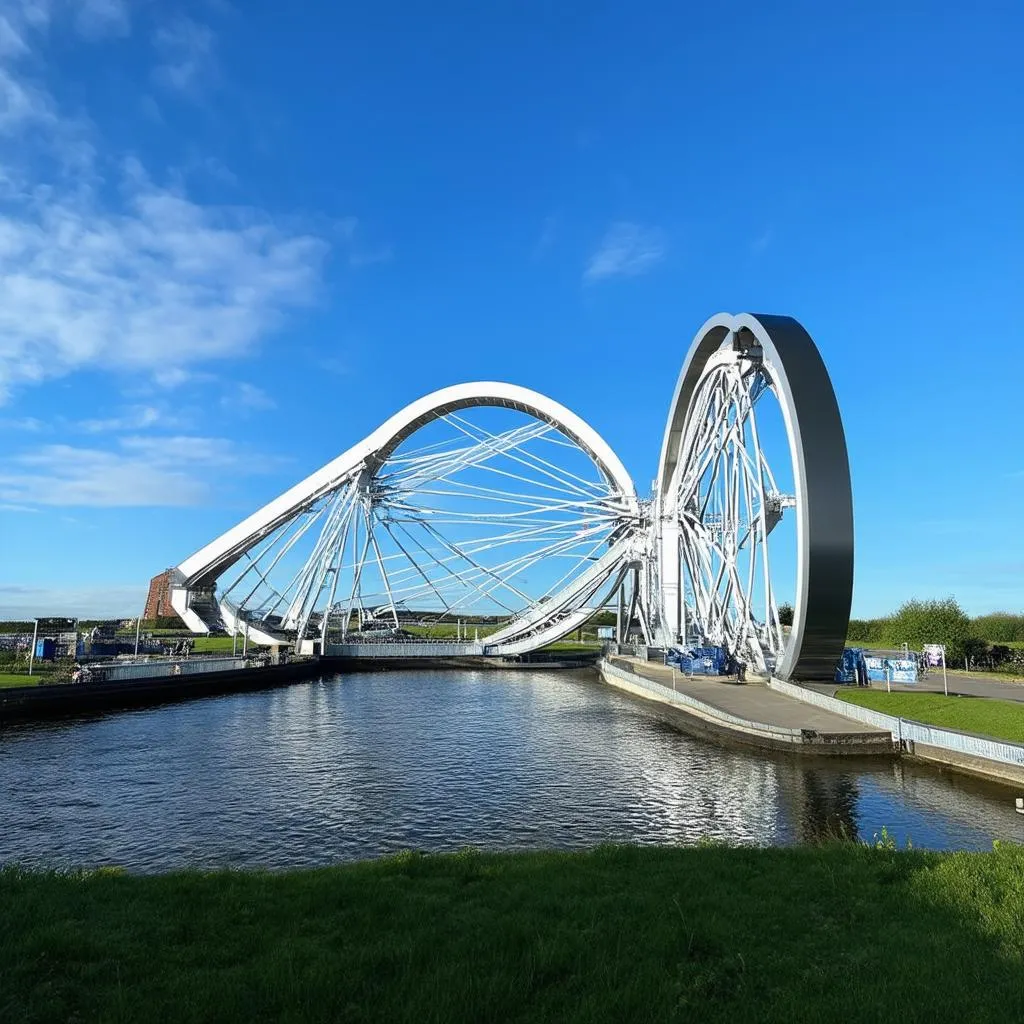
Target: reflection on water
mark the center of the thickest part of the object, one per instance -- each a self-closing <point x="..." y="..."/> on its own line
<point x="359" y="765"/>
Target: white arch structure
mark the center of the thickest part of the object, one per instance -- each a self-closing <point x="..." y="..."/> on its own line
<point x="717" y="501"/>
<point x="386" y="531"/>
<point x="376" y="496"/>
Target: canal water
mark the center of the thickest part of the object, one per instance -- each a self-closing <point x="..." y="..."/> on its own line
<point x="361" y="765"/>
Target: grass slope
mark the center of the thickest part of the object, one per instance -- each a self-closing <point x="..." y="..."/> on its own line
<point x="205" y="644"/>
<point x="23" y="678"/>
<point x="1001" y="719"/>
<point x="840" y="932"/>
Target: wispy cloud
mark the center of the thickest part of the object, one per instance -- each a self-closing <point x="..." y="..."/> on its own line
<point x="188" y="61"/>
<point x="97" y="19"/>
<point x="142" y="470"/>
<point x="29" y="424"/>
<point x="136" y="417"/>
<point x="763" y="240"/>
<point x="245" y="397"/>
<point x="160" y="286"/>
<point x="627" y="250"/>
<point x="154" y="282"/>
<point x="546" y="238"/>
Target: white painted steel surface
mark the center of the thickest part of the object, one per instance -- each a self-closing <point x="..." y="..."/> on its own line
<point x="363" y="510"/>
<point x="717" y="502"/>
<point x="695" y="558"/>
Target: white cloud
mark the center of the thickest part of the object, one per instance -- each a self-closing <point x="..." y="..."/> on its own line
<point x="188" y="60"/>
<point x="137" y="417"/>
<point x="627" y="249"/>
<point x="160" y="286"/>
<point x="149" y="281"/>
<point x="12" y="43"/>
<point x="154" y="471"/>
<point x="31" y="424"/>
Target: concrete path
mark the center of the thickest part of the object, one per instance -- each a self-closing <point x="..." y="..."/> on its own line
<point x="752" y="700"/>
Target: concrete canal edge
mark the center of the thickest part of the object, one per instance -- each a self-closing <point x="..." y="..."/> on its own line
<point x="964" y="752"/>
<point x="149" y="683"/>
<point x="705" y="719"/>
<point x="53" y="701"/>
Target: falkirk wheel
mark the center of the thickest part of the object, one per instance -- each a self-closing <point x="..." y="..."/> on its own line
<point x="492" y="503"/>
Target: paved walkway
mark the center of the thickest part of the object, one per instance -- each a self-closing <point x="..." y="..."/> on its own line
<point x="752" y="700"/>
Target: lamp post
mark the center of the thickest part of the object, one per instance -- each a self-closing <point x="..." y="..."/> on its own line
<point x="32" y="649"/>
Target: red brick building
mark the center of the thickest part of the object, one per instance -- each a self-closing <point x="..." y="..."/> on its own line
<point x="158" y="602"/>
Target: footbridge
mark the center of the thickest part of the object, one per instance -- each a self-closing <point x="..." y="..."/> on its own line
<point x="495" y="514"/>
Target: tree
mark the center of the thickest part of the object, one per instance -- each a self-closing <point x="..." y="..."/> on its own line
<point x="786" y="614"/>
<point x="1000" y="627"/>
<point x="867" y="631"/>
<point x="974" y="650"/>
<point x="931" y="622"/>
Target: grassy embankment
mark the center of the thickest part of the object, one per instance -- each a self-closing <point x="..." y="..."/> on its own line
<point x="1000" y="719"/>
<point x="21" y="679"/>
<point x="838" y="932"/>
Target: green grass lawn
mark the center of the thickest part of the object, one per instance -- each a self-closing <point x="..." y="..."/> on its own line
<point x="17" y="679"/>
<point x="1001" y="719"/>
<point x="21" y="679"/>
<point x="205" y="644"/>
<point x="807" y="934"/>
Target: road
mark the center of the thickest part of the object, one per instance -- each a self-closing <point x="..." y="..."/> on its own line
<point x="971" y="686"/>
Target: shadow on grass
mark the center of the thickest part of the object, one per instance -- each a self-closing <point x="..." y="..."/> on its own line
<point x="835" y="932"/>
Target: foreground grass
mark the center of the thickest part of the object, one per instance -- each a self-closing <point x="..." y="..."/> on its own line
<point x="1001" y="719"/>
<point x="840" y="932"/>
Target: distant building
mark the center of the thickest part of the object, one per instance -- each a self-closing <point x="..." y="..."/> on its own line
<point x="158" y="602"/>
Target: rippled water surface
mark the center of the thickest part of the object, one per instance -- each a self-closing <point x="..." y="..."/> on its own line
<point x="359" y="765"/>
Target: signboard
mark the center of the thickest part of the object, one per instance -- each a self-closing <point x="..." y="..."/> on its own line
<point x="902" y="670"/>
<point x="876" y="669"/>
<point x="935" y="654"/>
<point x="895" y="670"/>
<point x="605" y="632"/>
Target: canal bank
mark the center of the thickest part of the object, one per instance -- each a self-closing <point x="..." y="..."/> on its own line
<point x="779" y="715"/>
<point x="748" y="713"/>
<point x="958" y="751"/>
<point x="158" y="686"/>
<point x="131" y="685"/>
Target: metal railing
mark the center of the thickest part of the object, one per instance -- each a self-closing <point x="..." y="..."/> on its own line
<point x="158" y="669"/>
<point x="903" y="729"/>
<point x="406" y="649"/>
<point x="669" y="695"/>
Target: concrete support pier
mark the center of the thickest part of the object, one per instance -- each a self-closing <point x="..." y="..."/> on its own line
<point x="750" y="713"/>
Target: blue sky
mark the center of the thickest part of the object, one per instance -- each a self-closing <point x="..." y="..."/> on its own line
<point x="235" y="238"/>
